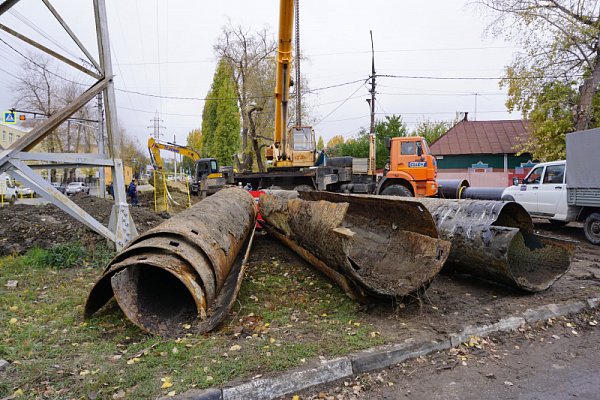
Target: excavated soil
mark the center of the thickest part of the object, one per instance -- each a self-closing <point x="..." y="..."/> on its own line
<point x="452" y="302"/>
<point x="455" y="301"/>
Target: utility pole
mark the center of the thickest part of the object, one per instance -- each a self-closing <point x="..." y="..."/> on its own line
<point x="101" y="175"/>
<point x="371" y="101"/>
<point x="175" y="158"/>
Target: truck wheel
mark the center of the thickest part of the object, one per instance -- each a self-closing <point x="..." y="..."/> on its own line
<point x="591" y="227"/>
<point x="396" y="190"/>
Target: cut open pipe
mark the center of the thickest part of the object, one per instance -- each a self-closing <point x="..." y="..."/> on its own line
<point x="183" y="275"/>
<point x="373" y="248"/>
<point x="495" y="240"/>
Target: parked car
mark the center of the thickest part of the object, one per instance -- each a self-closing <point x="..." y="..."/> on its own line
<point x="77" y="187"/>
<point x="59" y="187"/>
<point x="25" y="191"/>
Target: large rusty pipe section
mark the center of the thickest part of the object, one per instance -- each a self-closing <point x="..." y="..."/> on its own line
<point x="373" y="248"/>
<point x="183" y="275"/>
<point x="495" y="240"/>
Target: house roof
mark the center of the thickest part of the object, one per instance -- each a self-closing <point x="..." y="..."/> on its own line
<point x="481" y="137"/>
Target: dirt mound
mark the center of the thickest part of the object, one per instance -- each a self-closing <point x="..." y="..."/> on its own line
<point x="25" y="226"/>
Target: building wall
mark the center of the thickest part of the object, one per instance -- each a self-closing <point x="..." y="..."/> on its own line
<point x="494" y="161"/>
<point x="9" y="134"/>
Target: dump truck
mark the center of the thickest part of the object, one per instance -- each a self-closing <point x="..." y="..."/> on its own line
<point x="565" y="190"/>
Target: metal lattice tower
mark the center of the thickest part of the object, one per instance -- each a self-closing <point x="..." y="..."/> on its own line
<point x="156" y="126"/>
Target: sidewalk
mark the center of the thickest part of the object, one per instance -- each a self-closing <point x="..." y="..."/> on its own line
<point x="324" y="371"/>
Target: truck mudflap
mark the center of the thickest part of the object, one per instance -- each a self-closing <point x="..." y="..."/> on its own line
<point x="495" y="240"/>
<point x="373" y="248"/>
<point x="182" y="276"/>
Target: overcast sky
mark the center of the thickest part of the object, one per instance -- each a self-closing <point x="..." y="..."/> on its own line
<point x="164" y="62"/>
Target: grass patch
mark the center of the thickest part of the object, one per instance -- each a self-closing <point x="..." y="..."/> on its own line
<point x="285" y="316"/>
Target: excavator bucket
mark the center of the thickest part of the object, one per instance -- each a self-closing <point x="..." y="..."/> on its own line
<point x="373" y="248"/>
<point x="183" y="275"/>
<point x="495" y="240"/>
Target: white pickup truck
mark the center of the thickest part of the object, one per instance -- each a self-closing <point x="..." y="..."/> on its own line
<point x="568" y="190"/>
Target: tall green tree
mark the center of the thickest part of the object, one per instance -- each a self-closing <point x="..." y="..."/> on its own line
<point x="320" y="144"/>
<point x="392" y="127"/>
<point x="221" y="118"/>
<point x="554" y="81"/>
<point x="431" y="129"/>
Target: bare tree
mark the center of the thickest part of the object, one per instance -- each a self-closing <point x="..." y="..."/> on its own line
<point x="251" y="57"/>
<point x="40" y="90"/>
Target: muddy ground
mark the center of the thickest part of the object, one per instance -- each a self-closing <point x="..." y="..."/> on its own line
<point x="452" y="302"/>
<point x="24" y="226"/>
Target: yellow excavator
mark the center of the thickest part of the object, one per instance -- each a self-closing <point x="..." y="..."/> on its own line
<point x="207" y="179"/>
<point x="293" y="148"/>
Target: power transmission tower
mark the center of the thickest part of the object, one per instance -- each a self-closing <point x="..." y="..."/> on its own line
<point x="156" y="126"/>
<point x="13" y="159"/>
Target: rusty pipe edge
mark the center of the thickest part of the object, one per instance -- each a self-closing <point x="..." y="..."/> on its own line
<point x="495" y="240"/>
<point x="183" y="275"/>
<point x="364" y="245"/>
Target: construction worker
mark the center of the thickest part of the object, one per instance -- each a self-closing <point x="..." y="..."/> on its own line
<point x="132" y="192"/>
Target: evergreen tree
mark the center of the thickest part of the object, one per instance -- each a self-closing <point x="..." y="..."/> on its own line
<point x="320" y="144"/>
<point x="221" y="118"/>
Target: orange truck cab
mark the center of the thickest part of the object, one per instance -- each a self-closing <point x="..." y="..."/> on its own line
<point x="412" y="169"/>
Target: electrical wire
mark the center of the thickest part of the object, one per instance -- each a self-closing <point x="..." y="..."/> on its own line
<point x="343" y="102"/>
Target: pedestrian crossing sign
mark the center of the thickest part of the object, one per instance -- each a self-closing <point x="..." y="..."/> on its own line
<point x="9" y="118"/>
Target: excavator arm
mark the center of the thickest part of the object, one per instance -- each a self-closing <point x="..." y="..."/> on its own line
<point x="154" y="147"/>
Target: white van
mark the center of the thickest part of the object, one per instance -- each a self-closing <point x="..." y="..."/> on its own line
<point x="8" y="189"/>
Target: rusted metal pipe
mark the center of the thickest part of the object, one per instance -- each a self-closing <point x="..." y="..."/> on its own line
<point x="183" y="275"/>
<point x="373" y="248"/>
<point x="494" y="240"/>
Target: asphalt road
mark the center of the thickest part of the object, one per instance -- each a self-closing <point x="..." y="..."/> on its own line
<point x="554" y="362"/>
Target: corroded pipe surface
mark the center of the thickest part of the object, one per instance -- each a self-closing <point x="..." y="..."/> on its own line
<point x="183" y="275"/>
<point x="495" y="240"/>
<point x="373" y="248"/>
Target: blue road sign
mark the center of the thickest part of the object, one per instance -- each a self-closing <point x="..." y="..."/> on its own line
<point x="9" y="118"/>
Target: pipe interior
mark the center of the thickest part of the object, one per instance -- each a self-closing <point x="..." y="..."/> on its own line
<point x="535" y="262"/>
<point x="154" y="295"/>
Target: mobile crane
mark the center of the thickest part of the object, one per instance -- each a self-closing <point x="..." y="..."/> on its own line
<point x="293" y="148"/>
<point x="412" y="169"/>
<point x="207" y="179"/>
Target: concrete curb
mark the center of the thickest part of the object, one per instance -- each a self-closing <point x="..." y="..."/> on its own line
<point x="374" y="358"/>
